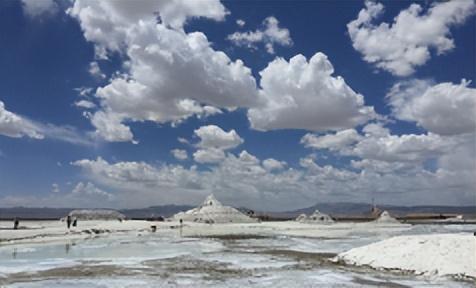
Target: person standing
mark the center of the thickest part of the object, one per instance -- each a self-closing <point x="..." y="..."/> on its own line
<point x="181" y="226"/>
<point x="68" y="221"/>
<point x="16" y="223"/>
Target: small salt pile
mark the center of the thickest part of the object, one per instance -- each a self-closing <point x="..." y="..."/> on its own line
<point x="385" y="218"/>
<point x="316" y="217"/>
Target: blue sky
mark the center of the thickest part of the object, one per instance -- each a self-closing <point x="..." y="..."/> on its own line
<point x="397" y="126"/>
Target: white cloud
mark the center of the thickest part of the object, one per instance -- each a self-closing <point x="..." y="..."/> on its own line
<point x="91" y="191"/>
<point x="55" y="188"/>
<point x="85" y="104"/>
<point x="244" y="180"/>
<point x="84" y="91"/>
<point x="445" y="108"/>
<point x="175" y="13"/>
<point x="336" y="141"/>
<point x="248" y="158"/>
<point x="304" y="95"/>
<point x="65" y="133"/>
<point x="36" y="8"/>
<point x="95" y="70"/>
<point x="271" y="164"/>
<point x="183" y="140"/>
<point x="212" y="136"/>
<point x="209" y="155"/>
<point x="406" y="43"/>
<point x="13" y="125"/>
<point x="137" y="183"/>
<point x="110" y="128"/>
<point x="83" y="195"/>
<point x="270" y="34"/>
<point x="213" y="143"/>
<point x="179" y="154"/>
<point x="171" y="75"/>
<point x="240" y="22"/>
<point x="378" y="144"/>
<point x="121" y="171"/>
<point x="107" y="23"/>
<point x="16" y="126"/>
<point x="407" y="147"/>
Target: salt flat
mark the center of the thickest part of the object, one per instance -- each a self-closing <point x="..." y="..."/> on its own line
<point x="268" y="254"/>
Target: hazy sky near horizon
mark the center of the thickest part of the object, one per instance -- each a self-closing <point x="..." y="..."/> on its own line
<point x="272" y="105"/>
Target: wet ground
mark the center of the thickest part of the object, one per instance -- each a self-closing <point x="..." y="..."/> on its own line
<point x="167" y="260"/>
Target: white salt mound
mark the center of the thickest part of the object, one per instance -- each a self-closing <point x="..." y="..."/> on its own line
<point x="212" y="211"/>
<point x="385" y="218"/>
<point x="316" y="217"/>
<point x="97" y="214"/>
<point x="437" y="254"/>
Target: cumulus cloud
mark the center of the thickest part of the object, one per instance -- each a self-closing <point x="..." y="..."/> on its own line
<point x="406" y="43"/>
<point x="271" y="164"/>
<point x="444" y="108"/>
<point x="109" y="127"/>
<point x="407" y="147"/>
<point x="244" y="180"/>
<point x="13" y="125"/>
<point x="172" y="75"/>
<point x="90" y="190"/>
<point x="383" y="158"/>
<point x="304" y="95"/>
<point x="95" y="70"/>
<point x="269" y="34"/>
<point x="121" y="171"/>
<point x="378" y="144"/>
<point x="139" y="183"/>
<point x="336" y="141"/>
<point x="213" y="143"/>
<point x="209" y="155"/>
<point x="179" y="154"/>
<point x="212" y="136"/>
<point x="36" y="8"/>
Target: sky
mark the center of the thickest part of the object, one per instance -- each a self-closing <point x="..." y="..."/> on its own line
<point x="270" y="105"/>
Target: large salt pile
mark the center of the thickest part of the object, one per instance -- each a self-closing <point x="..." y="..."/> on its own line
<point x="385" y="218"/>
<point x="212" y="211"/>
<point x="436" y="254"/>
<point x="316" y="217"/>
<point x="97" y="214"/>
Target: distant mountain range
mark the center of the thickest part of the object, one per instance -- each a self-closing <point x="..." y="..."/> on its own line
<point x="334" y="209"/>
<point x="53" y="213"/>
<point x="364" y="209"/>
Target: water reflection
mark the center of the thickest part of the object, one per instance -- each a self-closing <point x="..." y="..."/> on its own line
<point x="14" y="253"/>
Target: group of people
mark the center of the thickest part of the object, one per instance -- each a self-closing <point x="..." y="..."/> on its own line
<point x="69" y="222"/>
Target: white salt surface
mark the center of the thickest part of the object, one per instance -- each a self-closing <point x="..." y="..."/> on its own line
<point x="439" y="254"/>
<point x="47" y="231"/>
<point x="129" y="243"/>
